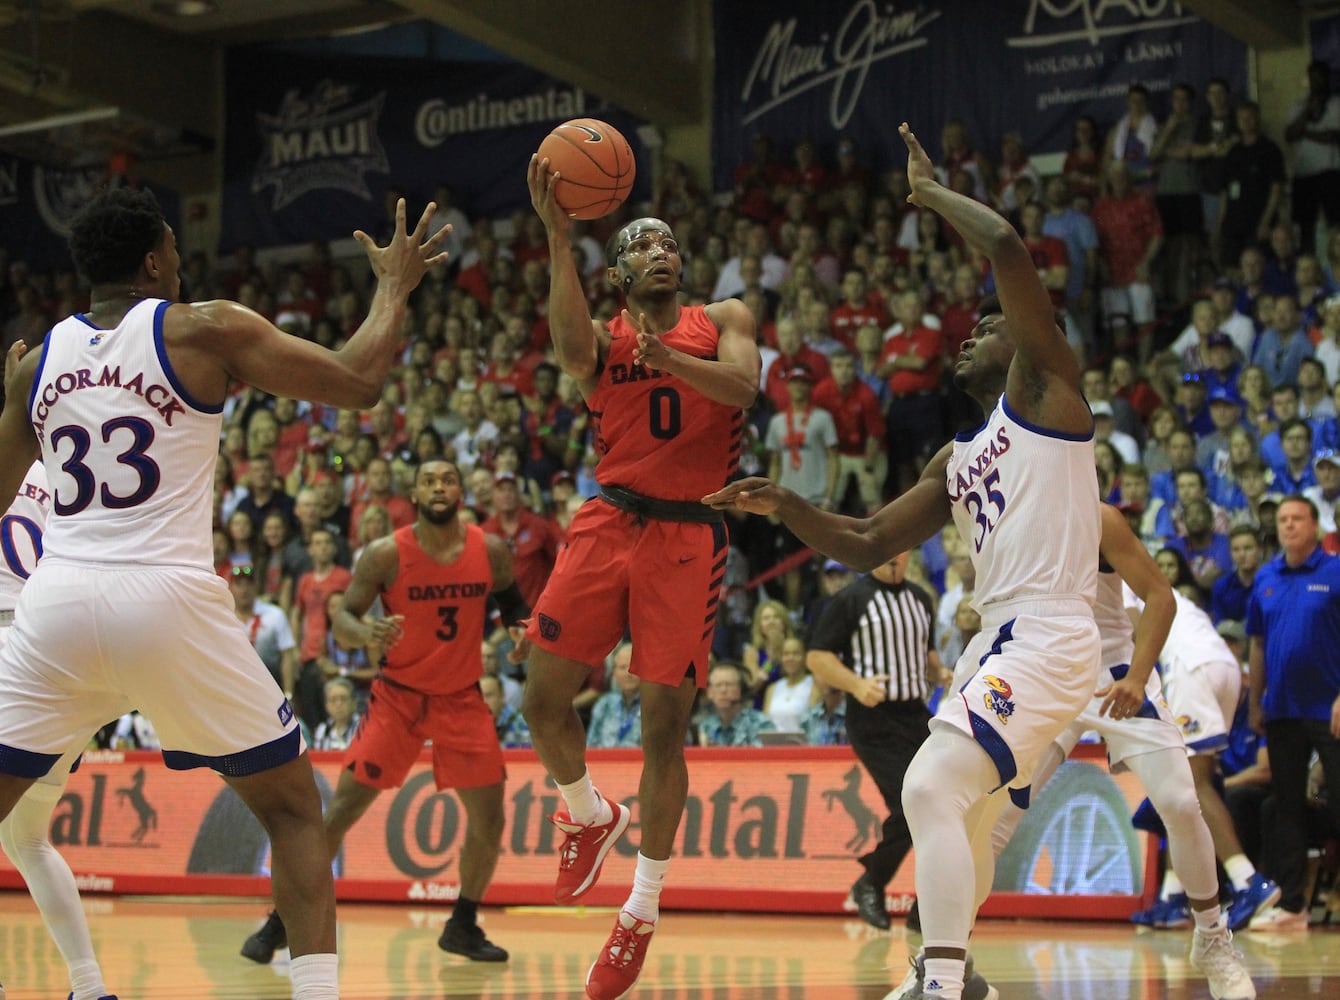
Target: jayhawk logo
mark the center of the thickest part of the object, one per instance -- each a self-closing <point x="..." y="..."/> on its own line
<point x="998" y="699"/>
<point x="1188" y="725"/>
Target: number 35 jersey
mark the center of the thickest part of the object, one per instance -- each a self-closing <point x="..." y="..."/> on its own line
<point x="129" y="454"/>
<point x="444" y="605"/>
<point x="1025" y="502"/>
<point x="656" y="434"/>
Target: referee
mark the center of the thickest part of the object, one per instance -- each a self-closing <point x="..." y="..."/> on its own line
<point x="876" y="641"/>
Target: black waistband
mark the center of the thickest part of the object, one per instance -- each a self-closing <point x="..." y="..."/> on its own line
<point x="660" y="510"/>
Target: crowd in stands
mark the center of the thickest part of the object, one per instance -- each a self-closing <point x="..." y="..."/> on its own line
<point x="1182" y="258"/>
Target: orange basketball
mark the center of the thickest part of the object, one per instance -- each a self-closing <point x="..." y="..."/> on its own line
<point x="595" y="167"/>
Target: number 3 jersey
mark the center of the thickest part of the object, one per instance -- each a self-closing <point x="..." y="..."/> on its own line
<point x="444" y="605"/>
<point x="129" y="454"/>
<point x="656" y="434"/>
<point x="21" y="534"/>
<point x="1025" y="502"/>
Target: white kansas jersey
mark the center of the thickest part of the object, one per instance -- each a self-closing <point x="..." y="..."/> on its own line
<point x="21" y="535"/>
<point x="129" y="454"/>
<point x="1025" y="502"/>
<point x="1193" y="640"/>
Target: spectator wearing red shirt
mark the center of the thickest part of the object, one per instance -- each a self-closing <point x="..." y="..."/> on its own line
<point x="377" y="489"/>
<point x="792" y="352"/>
<point x="1130" y="234"/>
<point x="860" y="430"/>
<point x="532" y="243"/>
<point x="756" y="179"/>
<point x="308" y="619"/>
<point x="1050" y="255"/>
<point x="477" y="279"/>
<point x="807" y="173"/>
<point x="503" y="369"/>
<point x="911" y="363"/>
<point x="532" y="538"/>
<point x="858" y="308"/>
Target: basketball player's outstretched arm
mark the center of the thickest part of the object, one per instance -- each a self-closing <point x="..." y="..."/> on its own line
<point x="232" y="340"/>
<point x="576" y="337"/>
<point x="1127" y="555"/>
<point x="18" y="443"/>
<point x="861" y="542"/>
<point x="1042" y="359"/>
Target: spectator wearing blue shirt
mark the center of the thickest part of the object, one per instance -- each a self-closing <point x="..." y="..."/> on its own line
<point x="826" y="723"/>
<point x="1191" y="393"/>
<point x="1283" y="407"/>
<point x="1207" y="551"/>
<point x="1228" y="599"/>
<point x="1293" y="619"/>
<point x="1295" y="473"/>
<point x="1076" y="231"/>
<point x="508" y="723"/>
<point x="1181" y="455"/>
<point x="1281" y="347"/>
<point x="616" y="718"/>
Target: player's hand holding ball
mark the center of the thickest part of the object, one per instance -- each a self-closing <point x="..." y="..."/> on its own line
<point x="584" y="169"/>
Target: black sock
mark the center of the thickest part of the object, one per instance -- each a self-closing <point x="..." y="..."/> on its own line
<point x="465" y="912"/>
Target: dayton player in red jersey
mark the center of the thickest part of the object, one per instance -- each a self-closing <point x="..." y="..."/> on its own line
<point x="667" y="386"/>
<point x="434" y="578"/>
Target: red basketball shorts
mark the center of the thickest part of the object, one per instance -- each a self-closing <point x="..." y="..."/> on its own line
<point x="657" y="581"/>
<point x="466" y="753"/>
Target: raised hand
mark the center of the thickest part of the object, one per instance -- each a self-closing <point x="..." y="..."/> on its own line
<point x="12" y="358"/>
<point x="541" y="183"/>
<point x="650" y="351"/>
<point x="920" y="170"/>
<point x="404" y="261"/>
<point x="754" y="495"/>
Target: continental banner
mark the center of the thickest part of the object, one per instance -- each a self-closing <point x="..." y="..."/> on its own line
<point x="772" y="830"/>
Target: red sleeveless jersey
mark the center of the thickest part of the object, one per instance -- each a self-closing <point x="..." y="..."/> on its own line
<point x="444" y="609"/>
<point x="656" y="434"/>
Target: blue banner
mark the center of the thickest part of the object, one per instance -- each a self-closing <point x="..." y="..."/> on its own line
<point x="37" y="204"/>
<point x="859" y="67"/>
<point x="313" y="142"/>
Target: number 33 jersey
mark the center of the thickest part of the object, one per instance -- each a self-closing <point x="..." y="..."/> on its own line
<point x="129" y="454"/>
<point x="1025" y="502"/>
<point x="655" y="433"/>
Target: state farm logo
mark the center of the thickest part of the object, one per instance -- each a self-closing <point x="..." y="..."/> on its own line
<point x="433" y="892"/>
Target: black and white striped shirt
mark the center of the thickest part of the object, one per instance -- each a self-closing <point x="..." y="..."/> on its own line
<point x="881" y="629"/>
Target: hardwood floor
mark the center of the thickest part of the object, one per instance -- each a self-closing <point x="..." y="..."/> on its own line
<point x="160" y="948"/>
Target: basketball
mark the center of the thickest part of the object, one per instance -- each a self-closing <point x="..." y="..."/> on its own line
<point x="595" y="164"/>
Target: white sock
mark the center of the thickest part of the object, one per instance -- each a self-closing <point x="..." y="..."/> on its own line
<point x="944" y="979"/>
<point x="1172" y="885"/>
<point x="644" y="901"/>
<point x="315" y="977"/>
<point x="86" y="981"/>
<point x="585" y="804"/>
<point x="1240" y="871"/>
<point x="1208" y="921"/>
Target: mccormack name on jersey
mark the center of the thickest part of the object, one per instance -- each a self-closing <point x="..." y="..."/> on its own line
<point x="157" y="397"/>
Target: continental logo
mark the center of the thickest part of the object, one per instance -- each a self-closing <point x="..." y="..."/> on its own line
<point x="999" y="699"/>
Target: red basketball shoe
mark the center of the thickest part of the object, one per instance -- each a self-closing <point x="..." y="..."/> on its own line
<point x="616" y="970"/>
<point x="584" y="850"/>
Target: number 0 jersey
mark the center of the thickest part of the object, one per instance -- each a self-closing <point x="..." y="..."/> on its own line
<point x="1025" y="501"/>
<point x="21" y="534"/>
<point x="129" y="454"/>
<point x="445" y="608"/>
<point x="655" y="433"/>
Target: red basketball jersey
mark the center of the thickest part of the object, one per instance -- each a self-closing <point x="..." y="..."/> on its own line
<point x="444" y="609"/>
<point x="656" y="434"/>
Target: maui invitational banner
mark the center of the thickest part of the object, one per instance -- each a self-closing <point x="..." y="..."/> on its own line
<point x="859" y="67"/>
<point x="312" y="143"/>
